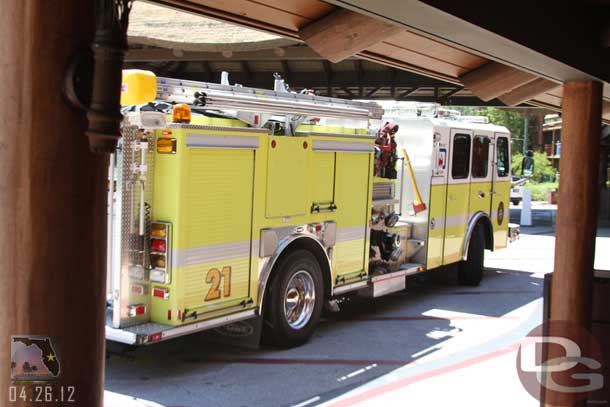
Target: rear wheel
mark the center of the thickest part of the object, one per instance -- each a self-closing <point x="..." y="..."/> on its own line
<point x="294" y="300"/>
<point x="470" y="272"/>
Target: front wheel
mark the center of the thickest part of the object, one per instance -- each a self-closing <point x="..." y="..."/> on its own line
<point x="470" y="272"/>
<point x="295" y="300"/>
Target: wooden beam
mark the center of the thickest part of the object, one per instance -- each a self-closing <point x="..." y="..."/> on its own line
<point x="372" y="92"/>
<point x="344" y="33"/>
<point x="359" y="70"/>
<point x="328" y="71"/>
<point x="494" y="79"/>
<point x="295" y="53"/>
<point x="450" y="93"/>
<point x="51" y="185"/>
<point x="528" y="91"/>
<point x="285" y="71"/>
<point x="207" y="70"/>
<point x="246" y="69"/>
<point x="348" y="92"/>
<point x="408" y="92"/>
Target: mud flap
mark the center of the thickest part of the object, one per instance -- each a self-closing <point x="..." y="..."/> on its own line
<point x="242" y="334"/>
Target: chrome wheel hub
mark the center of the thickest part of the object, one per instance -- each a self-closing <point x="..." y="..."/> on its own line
<point x="299" y="299"/>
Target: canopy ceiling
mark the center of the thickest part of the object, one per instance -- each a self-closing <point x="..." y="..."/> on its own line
<point x="417" y="37"/>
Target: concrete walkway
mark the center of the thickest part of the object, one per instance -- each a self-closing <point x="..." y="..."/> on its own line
<point x="478" y="366"/>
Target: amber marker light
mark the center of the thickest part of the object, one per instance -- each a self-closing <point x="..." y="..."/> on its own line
<point x="181" y="113"/>
<point x="166" y="146"/>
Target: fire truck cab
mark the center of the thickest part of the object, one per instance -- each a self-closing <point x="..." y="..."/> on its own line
<point x="254" y="205"/>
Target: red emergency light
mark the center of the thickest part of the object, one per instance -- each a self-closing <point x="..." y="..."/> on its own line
<point x="158" y="245"/>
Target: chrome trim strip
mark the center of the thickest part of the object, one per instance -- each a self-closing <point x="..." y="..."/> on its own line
<point x="399" y="273"/>
<point x="350" y="287"/>
<point x="352" y="233"/>
<point x="212" y="310"/>
<point x="217" y="141"/>
<point x="267" y="264"/>
<point x="330" y="234"/>
<point x="269" y="242"/>
<point x="342" y="146"/>
<point x="335" y="135"/>
<point x="217" y="128"/>
<point x="208" y="324"/>
<point x="211" y="253"/>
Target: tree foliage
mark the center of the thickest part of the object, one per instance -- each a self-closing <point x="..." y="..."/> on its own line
<point x="543" y="168"/>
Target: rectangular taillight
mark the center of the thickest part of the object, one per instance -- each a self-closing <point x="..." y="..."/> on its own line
<point x="158" y="245"/>
<point x="160" y="252"/>
<point x="158" y="230"/>
<point x="161" y="293"/>
<point x="136" y="309"/>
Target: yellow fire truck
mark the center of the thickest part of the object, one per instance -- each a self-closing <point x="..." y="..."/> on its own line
<point x="232" y="204"/>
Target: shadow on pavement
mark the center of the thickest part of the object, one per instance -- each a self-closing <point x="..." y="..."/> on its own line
<point x="370" y="336"/>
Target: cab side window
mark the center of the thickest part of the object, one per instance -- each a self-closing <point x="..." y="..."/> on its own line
<point x="503" y="157"/>
<point x="480" y="156"/>
<point x="460" y="163"/>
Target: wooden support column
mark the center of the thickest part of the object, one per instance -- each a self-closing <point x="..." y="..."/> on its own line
<point x="52" y="199"/>
<point x="571" y="297"/>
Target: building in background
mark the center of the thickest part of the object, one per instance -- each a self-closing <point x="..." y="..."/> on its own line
<point x="549" y="141"/>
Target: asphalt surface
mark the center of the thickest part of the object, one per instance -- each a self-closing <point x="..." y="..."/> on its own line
<point x="365" y="341"/>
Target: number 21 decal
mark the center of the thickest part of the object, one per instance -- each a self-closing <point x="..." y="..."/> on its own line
<point x="216" y="277"/>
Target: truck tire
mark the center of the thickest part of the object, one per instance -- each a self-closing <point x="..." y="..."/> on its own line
<point x="470" y="272"/>
<point x="294" y="301"/>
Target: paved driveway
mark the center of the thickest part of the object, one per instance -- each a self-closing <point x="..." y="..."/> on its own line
<point x="427" y="329"/>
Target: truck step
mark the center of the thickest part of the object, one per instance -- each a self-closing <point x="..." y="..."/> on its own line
<point x="390" y="282"/>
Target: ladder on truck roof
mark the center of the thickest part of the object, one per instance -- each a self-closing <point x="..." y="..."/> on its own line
<point x="234" y="97"/>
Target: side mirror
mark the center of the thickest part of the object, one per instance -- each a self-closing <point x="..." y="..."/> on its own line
<point x="527" y="165"/>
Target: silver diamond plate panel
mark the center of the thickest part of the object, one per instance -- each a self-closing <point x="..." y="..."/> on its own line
<point x="130" y="266"/>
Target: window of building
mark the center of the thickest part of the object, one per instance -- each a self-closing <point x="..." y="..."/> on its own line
<point x="460" y="163"/>
<point x="480" y="156"/>
<point x="503" y="157"/>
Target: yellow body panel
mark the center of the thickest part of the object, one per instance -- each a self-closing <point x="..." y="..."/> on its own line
<point x="436" y="227"/>
<point x="480" y="197"/>
<point x="502" y="195"/>
<point x="219" y="199"/>
<point x="287" y="177"/>
<point x="322" y="169"/>
<point x="353" y="199"/>
<point x="456" y="221"/>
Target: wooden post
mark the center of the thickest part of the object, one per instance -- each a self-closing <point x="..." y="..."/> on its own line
<point x="578" y="201"/>
<point x="52" y="199"/>
<point x="572" y="287"/>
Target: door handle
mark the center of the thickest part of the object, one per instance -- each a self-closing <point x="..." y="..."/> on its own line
<point x="481" y="194"/>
